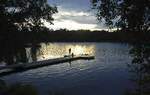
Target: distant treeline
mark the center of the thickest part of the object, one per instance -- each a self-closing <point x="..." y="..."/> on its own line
<point x="63" y="35"/>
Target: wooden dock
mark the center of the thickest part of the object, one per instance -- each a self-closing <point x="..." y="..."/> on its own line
<point x="5" y="70"/>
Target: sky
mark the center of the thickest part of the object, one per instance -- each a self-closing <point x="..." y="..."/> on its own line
<point x="74" y="15"/>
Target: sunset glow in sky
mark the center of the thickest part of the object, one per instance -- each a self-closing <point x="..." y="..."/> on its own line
<point x="74" y="15"/>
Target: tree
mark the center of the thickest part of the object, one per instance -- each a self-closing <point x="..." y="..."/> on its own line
<point x="20" y="16"/>
<point x="132" y="15"/>
<point x="25" y="13"/>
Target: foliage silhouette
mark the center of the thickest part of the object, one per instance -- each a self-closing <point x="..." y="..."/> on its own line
<point x="140" y="66"/>
<point x="16" y="18"/>
<point x="20" y="89"/>
<point x="129" y="15"/>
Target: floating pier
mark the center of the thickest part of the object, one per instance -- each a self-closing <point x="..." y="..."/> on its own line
<point x="5" y="70"/>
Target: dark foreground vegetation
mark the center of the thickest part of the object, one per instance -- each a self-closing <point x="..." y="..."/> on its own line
<point x="20" y="89"/>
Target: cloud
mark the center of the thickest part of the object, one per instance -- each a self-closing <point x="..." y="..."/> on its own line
<point x="71" y="25"/>
<point x="78" y="16"/>
<point x="74" y="14"/>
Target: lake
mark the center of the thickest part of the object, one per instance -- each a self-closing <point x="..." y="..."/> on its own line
<point x="107" y="74"/>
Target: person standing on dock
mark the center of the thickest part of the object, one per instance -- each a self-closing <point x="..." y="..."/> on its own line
<point x="72" y="54"/>
<point x="70" y="51"/>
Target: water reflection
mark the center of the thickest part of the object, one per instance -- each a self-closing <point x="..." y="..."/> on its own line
<point x="43" y="51"/>
<point x="48" y="51"/>
<point x="12" y="54"/>
<point x="105" y="75"/>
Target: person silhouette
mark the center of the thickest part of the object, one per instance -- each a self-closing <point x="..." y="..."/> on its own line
<point x="72" y="54"/>
<point x="70" y="51"/>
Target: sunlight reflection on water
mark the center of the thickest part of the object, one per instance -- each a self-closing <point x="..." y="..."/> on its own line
<point x="49" y="51"/>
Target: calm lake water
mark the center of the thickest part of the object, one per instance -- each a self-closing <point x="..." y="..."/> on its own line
<point x="107" y="74"/>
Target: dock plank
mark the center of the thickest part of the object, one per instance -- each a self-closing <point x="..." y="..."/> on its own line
<point x="22" y="67"/>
